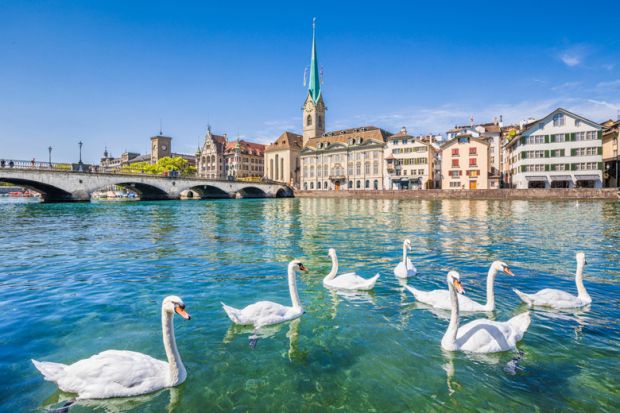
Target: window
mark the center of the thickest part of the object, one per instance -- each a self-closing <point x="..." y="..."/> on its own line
<point x="455" y="174"/>
<point x="577" y="122"/>
<point x="311" y="185"/>
<point x="367" y="184"/>
<point x="455" y="163"/>
<point x="350" y="168"/>
<point x="358" y="184"/>
<point x="367" y="168"/>
<point x="375" y="168"/>
<point x="541" y="125"/>
<point x="559" y="167"/>
<point x="580" y="136"/>
<point x="404" y="141"/>
<point x="534" y="168"/>
<point x="350" y="184"/>
<point x="590" y="136"/>
<point x="536" y="139"/>
<point x="472" y="162"/>
<point x="560" y="137"/>
<point x="455" y="184"/>
<point x="455" y="152"/>
<point x="358" y="168"/>
<point x="585" y="166"/>
<point x="586" y="151"/>
<point x="472" y="151"/>
<point x="375" y="184"/>
<point x="309" y="121"/>
<point x="318" y="185"/>
<point x="558" y="119"/>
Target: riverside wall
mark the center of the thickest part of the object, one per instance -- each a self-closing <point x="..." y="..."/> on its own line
<point x="543" y="194"/>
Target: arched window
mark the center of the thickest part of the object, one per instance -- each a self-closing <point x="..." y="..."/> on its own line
<point x="326" y="185"/>
<point x="350" y="184"/>
<point x="358" y="184"/>
<point x="309" y="121"/>
<point x="376" y="184"/>
<point x="311" y="185"/>
<point x="318" y="185"/>
<point x="305" y="186"/>
<point x="367" y="184"/>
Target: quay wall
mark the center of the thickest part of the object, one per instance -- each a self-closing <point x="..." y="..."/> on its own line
<point x="544" y="194"/>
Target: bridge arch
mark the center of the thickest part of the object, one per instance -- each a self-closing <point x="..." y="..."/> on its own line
<point x="284" y="193"/>
<point x="251" y="192"/>
<point x="49" y="193"/>
<point x="208" y="191"/>
<point x="146" y="192"/>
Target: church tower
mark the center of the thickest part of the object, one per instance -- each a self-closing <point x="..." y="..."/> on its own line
<point x="313" y="112"/>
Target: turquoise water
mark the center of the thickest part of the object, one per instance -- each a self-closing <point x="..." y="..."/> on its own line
<point x="78" y="279"/>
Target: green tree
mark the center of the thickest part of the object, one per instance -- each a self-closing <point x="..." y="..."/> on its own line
<point x="162" y="166"/>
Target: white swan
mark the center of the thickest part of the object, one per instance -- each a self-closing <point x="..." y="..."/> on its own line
<point x="115" y="373"/>
<point x="557" y="298"/>
<point x="482" y="335"/>
<point x="264" y="313"/>
<point x="405" y="268"/>
<point x="348" y="281"/>
<point x="441" y="298"/>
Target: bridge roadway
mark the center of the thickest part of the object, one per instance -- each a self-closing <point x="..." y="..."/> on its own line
<point x="70" y="186"/>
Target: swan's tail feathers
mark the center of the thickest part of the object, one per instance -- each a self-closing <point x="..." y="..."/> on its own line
<point x="416" y="293"/>
<point x="232" y="313"/>
<point x="524" y="297"/>
<point x="51" y="371"/>
<point x="520" y="323"/>
<point x="372" y="281"/>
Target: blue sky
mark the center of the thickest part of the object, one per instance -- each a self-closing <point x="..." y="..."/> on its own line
<point x="106" y="72"/>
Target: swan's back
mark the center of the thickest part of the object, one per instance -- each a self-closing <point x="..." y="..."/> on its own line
<point x="351" y="281"/>
<point x="441" y="299"/>
<point x="114" y="373"/>
<point x="487" y="336"/>
<point x="409" y="271"/>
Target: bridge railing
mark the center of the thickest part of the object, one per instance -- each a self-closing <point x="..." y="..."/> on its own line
<point x="98" y="169"/>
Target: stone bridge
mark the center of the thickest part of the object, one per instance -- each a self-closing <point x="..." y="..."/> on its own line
<point x="68" y="186"/>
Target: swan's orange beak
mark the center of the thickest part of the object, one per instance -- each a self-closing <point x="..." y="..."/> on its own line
<point x="459" y="287"/>
<point x="507" y="271"/>
<point x="301" y="267"/>
<point x="181" y="311"/>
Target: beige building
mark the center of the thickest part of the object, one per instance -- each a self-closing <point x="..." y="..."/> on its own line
<point x="282" y="159"/>
<point x="244" y="159"/>
<point x="210" y="158"/>
<point x="611" y="153"/>
<point x="344" y="159"/>
<point x="465" y="163"/>
<point x="410" y="162"/>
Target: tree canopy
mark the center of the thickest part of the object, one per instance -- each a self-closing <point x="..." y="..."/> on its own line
<point x="162" y="166"/>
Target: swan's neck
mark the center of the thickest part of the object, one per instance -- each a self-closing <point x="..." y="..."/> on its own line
<point x="581" y="290"/>
<point x="405" y="256"/>
<point x="490" y="306"/>
<point x="292" y="286"/>
<point x="334" y="270"/>
<point x="449" y="338"/>
<point x="177" y="369"/>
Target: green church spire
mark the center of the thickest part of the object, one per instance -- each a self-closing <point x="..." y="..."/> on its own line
<point x="314" y="85"/>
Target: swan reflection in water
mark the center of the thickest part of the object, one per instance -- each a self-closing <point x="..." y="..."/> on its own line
<point x="61" y="402"/>
<point x="353" y="297"/>
<point x="255" y="334"/>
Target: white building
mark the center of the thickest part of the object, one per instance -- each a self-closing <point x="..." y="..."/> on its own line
<point x="410" y="162"/>
<point x="561" y="150"/>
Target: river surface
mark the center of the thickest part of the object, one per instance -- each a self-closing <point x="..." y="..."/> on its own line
<point x="77" y="279"/>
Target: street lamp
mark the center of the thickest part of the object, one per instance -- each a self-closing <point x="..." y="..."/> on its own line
<point x="49" y="150"/>
<point x="80" y="144"/>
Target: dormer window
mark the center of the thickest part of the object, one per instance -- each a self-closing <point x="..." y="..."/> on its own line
<point x="577" y="122"/>
<point x="558" y="119"/>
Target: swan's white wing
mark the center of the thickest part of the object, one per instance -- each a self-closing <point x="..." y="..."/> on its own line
<point x="402" y="272"/>
<point x="441" y="299"/>
<point x="486" y="336"/>
<point x="555" y="298"/>
<point x="115" y="373"/>
<point x="265" y="313"/>
<point x="351" y="281"/>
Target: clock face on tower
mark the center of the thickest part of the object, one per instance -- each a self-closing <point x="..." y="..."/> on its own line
<point x="164" y="147"/>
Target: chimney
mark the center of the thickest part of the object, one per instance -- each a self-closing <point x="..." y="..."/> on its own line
<point x="403" y="130"/>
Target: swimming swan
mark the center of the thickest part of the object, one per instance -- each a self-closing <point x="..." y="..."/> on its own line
<point x="405" y="268"/>
<point x="482" y="335"/>
<point x="557" y="298"/>
<point x="264" y="313"/>
<point x="348" y="281"/>
<point x="121" y="373"/>
<point x="441" y="298"/>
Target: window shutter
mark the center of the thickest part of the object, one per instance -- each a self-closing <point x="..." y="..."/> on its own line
<point x="522" y="140"/>
<point x="563" y="152"/>
<point x="573" y="152"/>
<point x="600" y="165"/>
<point x="573" y="167"/>
<point x="547" y="138"/>
<point x="567" y="167"/>
<point x="600" y="134"/>
<point x="600" y="150"/>
<point x="547" y="167"/>
<point x="546" y="154"/>
<point x="460" y="173"/>
<point x="572" y="136"/>
<point x="523" y="155"/>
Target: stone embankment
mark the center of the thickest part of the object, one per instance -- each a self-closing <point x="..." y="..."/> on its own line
<point x="576" y="193"/>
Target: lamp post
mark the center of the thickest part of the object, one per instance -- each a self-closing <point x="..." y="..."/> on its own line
<point x="49" y="150"/>
<point x="80" y="143"/>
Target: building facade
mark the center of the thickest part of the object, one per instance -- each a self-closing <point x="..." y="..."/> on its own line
<point x="210" y="157"/>
<point x="611" y="154"/>
<point x="282" y="162"/>
<point x="410" y="162"/>
<point x="344" y="160"/>
<point x="243" y="159"/>
<point x="465" y="163"/>
<point x="561" y="150"/>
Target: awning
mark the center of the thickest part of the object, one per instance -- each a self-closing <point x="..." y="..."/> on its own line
<point x="587" y="177"/>
<point x="561" y="178"/>
<point x="536" y="178"/>
<point x="404" y="179"/>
